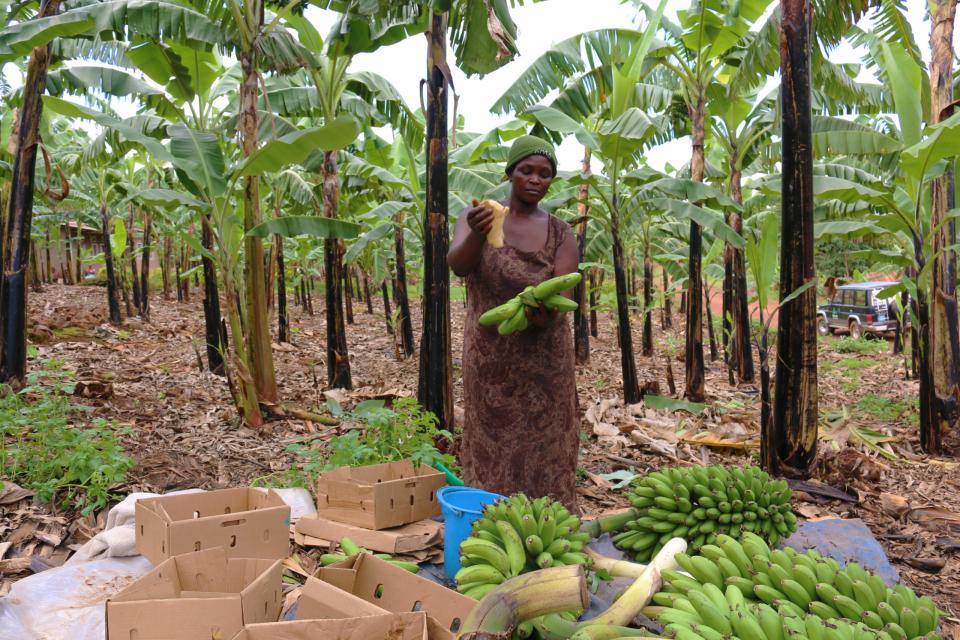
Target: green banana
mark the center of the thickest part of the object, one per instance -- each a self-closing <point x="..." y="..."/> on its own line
<point x="560" y="303"/>
<point x="555" y="285"/>
<point x="514" y="547"/>
<point x="500" y="314"/>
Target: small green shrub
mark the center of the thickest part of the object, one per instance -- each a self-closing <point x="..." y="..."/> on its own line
<point x="847" y="344"/>
<point x="385" y="434"/>
<point x="45" y="447"/>
<point x="889" y="409"/>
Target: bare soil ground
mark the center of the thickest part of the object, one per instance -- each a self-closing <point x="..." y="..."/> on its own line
<point x="185" y="432"/>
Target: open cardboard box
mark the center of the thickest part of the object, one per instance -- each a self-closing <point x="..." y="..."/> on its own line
<point x="393" y="589"/>
<point x="408" y="538"/>
<point x="246" y="522"/>
<point x="387" y="626"/>
<point x="380" y="496"/>
<point x="196" y="596"/>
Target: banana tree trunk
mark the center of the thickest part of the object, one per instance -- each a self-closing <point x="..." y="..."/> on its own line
<point x="944" y="334"/>
<point x="387" y="315"/>
<point x="647" y="303"/>
<point x="184" y="281"/>
<point x="667" y="300"/>
<point x="16" y="237"/>
<point x="338" y="357"/>
<point x="132" y="248"/>
<point x="348" y="294"/>
<point x="581" y="329"/>
<point x="628" y="366"/>
<point x="741" y="351"/>
<point x="710" y="333"/>
<point x="283" y="322"/>
<point x="435" y="383"/>
<point x="366" y="292"/>
<point x="794" y="431"/>
<point x="165" y="265"/>
<point x="400" y="297"/>
<point x="48" y="267"/>
<point x="35" y="274"/>
<point x="145" y="262"/>
<point x="694" y="388"/>
<point x="593" y="303"/>
<point x="68" y="255"/>
<point x="125" y="287"/>
<point x="258" y="325"/>
<point x="213" y="322"/>
<point x="113" y="304"/>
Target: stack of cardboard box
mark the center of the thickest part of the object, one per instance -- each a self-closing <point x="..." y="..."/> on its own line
<point x="218" y="558"/>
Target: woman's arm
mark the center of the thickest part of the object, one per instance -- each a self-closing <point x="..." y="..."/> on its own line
<point x="568" y="257"/>
<point x="469" y="236"/>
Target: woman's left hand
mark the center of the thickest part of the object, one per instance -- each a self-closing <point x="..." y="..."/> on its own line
<point x="540" y="316"/>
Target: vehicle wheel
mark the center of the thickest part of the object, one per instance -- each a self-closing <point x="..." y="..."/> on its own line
<point x="823" y="327"/>
<point x="856" y="331"/>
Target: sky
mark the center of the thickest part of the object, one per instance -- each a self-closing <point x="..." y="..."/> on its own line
<point x="539" y="26"/>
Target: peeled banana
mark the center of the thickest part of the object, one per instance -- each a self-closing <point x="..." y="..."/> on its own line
<point x="516" y="535"/>
<point x="700" y="503"/>
<point x="511" y="317"/>
<point x="495" y="235"/>
<point x="786" y="595"/>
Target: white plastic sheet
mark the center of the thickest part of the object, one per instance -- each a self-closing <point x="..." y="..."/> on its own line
<point x="67" y="603"/>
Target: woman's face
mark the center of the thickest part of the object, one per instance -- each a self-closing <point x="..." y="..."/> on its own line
<point x="531" y="178"/>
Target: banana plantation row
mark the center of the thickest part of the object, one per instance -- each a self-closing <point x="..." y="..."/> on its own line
<point x="253" y="164"/>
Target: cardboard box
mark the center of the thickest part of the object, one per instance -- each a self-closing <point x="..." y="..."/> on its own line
<point x="380" y="496"/>
<point x="395" y="590"/>
<point x="197" y="596"/>
<point x="246" y="522"/>
<point x="408" y="538"/>
<point x="390" y="626"/>
<point x="321" y="600"/>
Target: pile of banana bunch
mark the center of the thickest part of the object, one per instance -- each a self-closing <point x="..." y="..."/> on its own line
<point x="511" y="316"/>
<point x="516" y="535"/>
<point x="743" y="589"/>
<point x="700" y="503"/>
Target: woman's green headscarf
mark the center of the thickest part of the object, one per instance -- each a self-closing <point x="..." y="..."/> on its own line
<point x="526" y="146"/>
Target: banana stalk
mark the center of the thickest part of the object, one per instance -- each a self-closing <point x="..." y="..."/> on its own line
<point x="528" y="596"/>
<point x="638" y="595"/>
<point x="616" y="568"/>
<point x="615" y="522"/>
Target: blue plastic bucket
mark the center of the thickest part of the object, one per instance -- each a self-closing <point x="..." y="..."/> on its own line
<point x="461" y="506"/>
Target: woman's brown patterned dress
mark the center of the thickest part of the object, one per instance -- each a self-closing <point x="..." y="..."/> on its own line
<point x="520" y="429"/>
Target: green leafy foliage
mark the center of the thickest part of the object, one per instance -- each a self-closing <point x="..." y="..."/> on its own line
<point x="47" y="446"/>
<point x="383" y="434"/>
<point x="847" y="344"/>
<point x="889" y="409"/>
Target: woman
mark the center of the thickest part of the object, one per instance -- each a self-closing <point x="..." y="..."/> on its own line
<point x="521" y="428"/>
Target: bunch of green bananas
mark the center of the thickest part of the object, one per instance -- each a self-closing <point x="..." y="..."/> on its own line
<point x="516" y="535"/>
<point x="699" y="503"/>
<point x="792" y="582"/>
<point x="349" y="548"/>
<point x="511" y="316"/>
<point x="712" y="614"/>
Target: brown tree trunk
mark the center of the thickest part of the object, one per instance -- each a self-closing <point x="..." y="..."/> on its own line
<point x="366" y="292"/>
<point x="628" y="366"/>
<point x="694" y="388"/>
<point x="15" y="250"/>
<point x="593" y="303"/>
<point x="258" y="325"/>
<point x="741" y="351"/>
<point x="435" y="383"/>
<point x="132" y="248"/>
<point x="710" y="332"/>
<point x="647" y="304"/>
<point x="35" y="273"/>
<point x="400" y="290"/>
<point x="212" y="317"/>
<point x="944" y="335"/>
<point x="581" y="329"/>
<point x="68" y="255"/>
<point x="283" y="322"/>
<point x="387" y="315"/>
<point x="165" y="265"/>
<point x="794" y="431"/>
<point x="338" y="357"/>
<point x="145" y="266"/>
<point x="113" y="304"/>
<point x="348" y="294"/>
<point x="48" y="267"/>
<point x="667" y="300"/>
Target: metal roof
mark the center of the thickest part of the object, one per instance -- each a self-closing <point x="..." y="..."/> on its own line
<point x="867" y="285"/>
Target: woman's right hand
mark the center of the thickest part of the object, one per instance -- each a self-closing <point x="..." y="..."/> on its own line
<point x="480" y="218"/>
